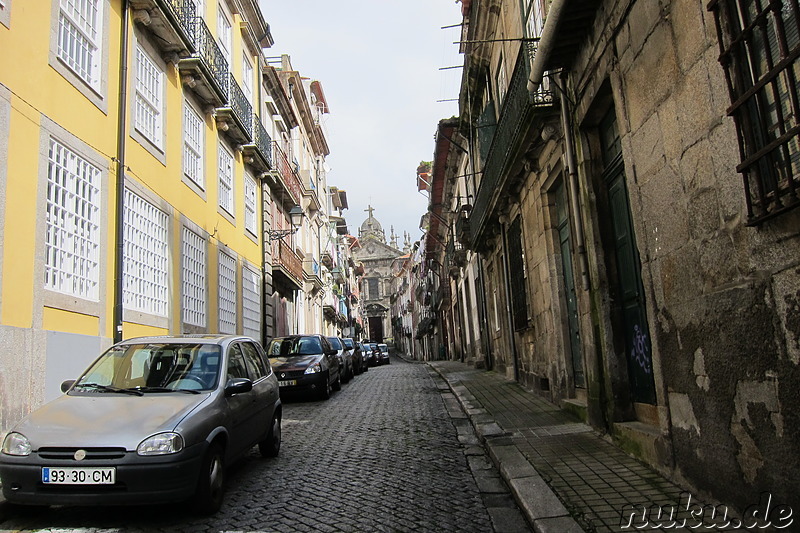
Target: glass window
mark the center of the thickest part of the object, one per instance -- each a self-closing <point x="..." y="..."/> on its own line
<point x="73" y="232"/>
<point x="255" y="363"/>
<point x="251" y="302"/>
<point x="247" y="77"/>
<point x="237" y="368"/>
<point x="250" y="203"/>
<point x="224" y="33"/>
<point x="79" y="34"/>
<point x="193" y="143"/>
<point x="146" y="262"/>
<point x="225" y="172"/>
<point x="148" y="116"/>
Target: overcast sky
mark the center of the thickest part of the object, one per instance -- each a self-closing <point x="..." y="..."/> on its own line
<point x="379" y="64"/>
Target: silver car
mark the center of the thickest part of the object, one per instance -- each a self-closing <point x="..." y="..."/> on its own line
<point x="152" y="420"/>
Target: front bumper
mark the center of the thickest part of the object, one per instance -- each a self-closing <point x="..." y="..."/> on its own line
<point x="303" y="383"/>
<point x="139" y="480"/>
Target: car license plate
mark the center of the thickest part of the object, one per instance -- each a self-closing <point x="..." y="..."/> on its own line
<point x="287" y="383"/>
<point x="78" y="476"/>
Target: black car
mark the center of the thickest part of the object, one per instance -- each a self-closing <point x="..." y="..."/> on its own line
<point x="345" y="358"/>
<point x="305" y="364"/>
<point x="359" y="361"/>
<point x="374" y="353"/>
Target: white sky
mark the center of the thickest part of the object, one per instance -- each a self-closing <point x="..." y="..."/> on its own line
<point x="379" y="65"/>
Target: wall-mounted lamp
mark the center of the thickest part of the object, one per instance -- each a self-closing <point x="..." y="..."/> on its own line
<point x="296" y="219"/>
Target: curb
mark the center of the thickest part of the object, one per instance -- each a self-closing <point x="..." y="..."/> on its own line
<point x="540" y="505"/>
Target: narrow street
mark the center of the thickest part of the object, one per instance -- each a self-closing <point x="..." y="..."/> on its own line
<point x="383" y="454"/>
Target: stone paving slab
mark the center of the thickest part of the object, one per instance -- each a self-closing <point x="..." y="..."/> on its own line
<point x="565" y="477"/>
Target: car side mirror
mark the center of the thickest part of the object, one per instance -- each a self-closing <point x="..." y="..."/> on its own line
<point x="238" y="386"/>
<point x="331" y="352"/>
<point x="66" y="385"/>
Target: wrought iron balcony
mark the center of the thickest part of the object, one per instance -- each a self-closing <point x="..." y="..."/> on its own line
<point x="259" y="153"/>
<point x="206" y="70"/>
<point x="516" y="117"/>
<point x="171" y="21"/>
<point x="236" y="118"/>
<point x="285" y="174"/>
<point x="287" y="264"/>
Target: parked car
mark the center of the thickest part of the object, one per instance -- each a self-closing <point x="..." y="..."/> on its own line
<point x="305" y="364"/>
<point x="152" y="420"/>
<point x="345" y="358"/>
<point x="355" y="352"/>
<point x="384" y="354"/>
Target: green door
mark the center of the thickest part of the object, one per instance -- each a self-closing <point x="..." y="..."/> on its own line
<point x="629" y="281"/>
<point x="562" y="215"/>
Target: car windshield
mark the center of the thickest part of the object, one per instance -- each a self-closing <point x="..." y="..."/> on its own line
<point x="383" y="347"/>
<point x="157" y="367"/>
<point x="335" y="343"/>
<point x="294" y="346"/>
<point x="349" y="343"/>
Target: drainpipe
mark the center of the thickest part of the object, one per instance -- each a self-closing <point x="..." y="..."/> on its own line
<point x="580" y="240"/>
<point x="120" y="160"/>
<point x="546" y="40"/>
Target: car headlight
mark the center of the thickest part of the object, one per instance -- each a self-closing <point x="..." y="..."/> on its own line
<point x="313" y="369"/>
<point x="161" y="444"/>
<point x="16" y="444"/>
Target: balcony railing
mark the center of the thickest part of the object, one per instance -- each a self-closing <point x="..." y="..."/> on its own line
<point x="206" y="71"/>
<point x="290" y="178"/>
<point x="283" y="257"/>
<point x="236" y="118"/>
<point x="259" y="152"/>
<point x="516" y="115"/>
<point x="171" y="21"/>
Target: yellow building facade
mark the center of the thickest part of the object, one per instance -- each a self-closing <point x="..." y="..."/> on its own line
<point x="131" y="158"/>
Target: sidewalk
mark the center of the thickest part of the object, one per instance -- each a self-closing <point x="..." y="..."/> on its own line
<point x="565" y="477"/>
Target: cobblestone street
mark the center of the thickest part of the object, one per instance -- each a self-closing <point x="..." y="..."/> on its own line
<point x="381" y="455"/>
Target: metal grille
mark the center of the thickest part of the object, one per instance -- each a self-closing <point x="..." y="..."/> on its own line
<point x="194" y="278"/>
<point x="759" y="50"/>
<point x="78" y="31"/>
<point x="251" y="302"/>
<point x="241" y="107"/>
<point x="146" y="262"/>
<point x="209" y="52"/>
<point x="227" y="293"/>
<point x="193" y="142"/>
<point x="149" y="92"/>
<point x="73" y="231"/>
<point x="250" y="204"/>
<point x="225" y="171"/>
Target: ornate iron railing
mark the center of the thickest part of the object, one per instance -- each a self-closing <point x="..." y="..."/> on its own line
<point x="518" y="107"/>
<point x="262" y="140"/>
<point x="284" y="256"/>
<point x="184" y="13"/>
<point x="241" y="107"/>
<point x="210" y="54"/>
<point x="287" y="172"/>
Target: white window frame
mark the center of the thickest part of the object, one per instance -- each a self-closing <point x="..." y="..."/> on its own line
<point x="194" y="140"/>
<point x="247" y="77"/>
<point x="225" y="170"/>
<point x="80" y="22"/>
<point x="227" y="293"/>
<point x="225" y="34"/>
<point x="72" y="243"/>
<point x="200" y="8"/>
<point x="250" y="204"/>
<point x="149" y="99"/>
<point x="145" y="277"/>
<point x="251" y="302"/>
<point x="193" y="279"/>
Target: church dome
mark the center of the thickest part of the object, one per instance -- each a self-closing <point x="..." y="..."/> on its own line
<point x="371" y="227"/>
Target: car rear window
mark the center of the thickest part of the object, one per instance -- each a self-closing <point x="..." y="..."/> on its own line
<point x="335" y="342"/>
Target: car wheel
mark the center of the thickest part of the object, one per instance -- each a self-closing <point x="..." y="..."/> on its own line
<point x="211" y="485"/>
<point x="270" y="446"/>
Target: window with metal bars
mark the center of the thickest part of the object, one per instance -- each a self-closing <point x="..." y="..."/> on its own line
<point x="73" y="216"/>
<point x="227" y="293"/>
<point x="193" y="143"/>
<point x="146" y="257"/>
<point x="251" y="302"/>
<point x="516" y="267"/>
<point x="759" y="48"/>
<point x="194" y="278"/>
<point x="225" y="171"/>
<point x="79" y="35"/>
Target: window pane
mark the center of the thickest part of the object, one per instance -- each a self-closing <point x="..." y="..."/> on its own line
<point x="146" y="261"/>
<point x="148" y="116"/>
<point x="225" y="171"/>
<point x="227" y="293"/>
<point x="193" y="142"/>
<point x="251" y="302"/>
<point x="78" y="34"/>
<point x="194" y="278"/>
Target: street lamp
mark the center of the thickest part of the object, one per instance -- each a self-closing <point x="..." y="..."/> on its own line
<point x="295" y="218"/>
